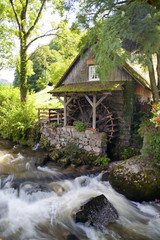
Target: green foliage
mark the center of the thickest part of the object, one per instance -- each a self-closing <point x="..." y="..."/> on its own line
<point x="145" y="124"/>
<point x="123" y="153"/>
<point x="102" y="161"/>
<point x="6" y="41"/>
<point x="80" y="126"/>
<point x="54" y="125"/>
<point x="127" y="152"/>
<point x="51" y="61"/>
<point x="156" y="114"/>
<point x="76" y="155"/>
<point x="129" y="90"/>
<point x="151" y="147"/>
<point x="16" y="119"/>
<point x="72" y="152"/>
<point x="126" y="31"/>
<point x="44" y="143"/>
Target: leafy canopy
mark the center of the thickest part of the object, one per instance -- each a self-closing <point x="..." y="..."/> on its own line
<point x="121" y="31"/>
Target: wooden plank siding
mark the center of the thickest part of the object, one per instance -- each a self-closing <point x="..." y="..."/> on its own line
<point x="141" y="91"/>
<point x="80" y="72"/>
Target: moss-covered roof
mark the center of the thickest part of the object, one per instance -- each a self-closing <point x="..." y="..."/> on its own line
<point x="86" y="87"/>
<point x="136" y="75"/>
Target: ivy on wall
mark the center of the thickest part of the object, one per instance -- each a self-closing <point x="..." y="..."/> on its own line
<point x="129" y="89"/>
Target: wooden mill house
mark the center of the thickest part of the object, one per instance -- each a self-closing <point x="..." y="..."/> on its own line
<point x="105" y="107"/>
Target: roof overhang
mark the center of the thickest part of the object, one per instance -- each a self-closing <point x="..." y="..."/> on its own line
<point x="88" y="88"/>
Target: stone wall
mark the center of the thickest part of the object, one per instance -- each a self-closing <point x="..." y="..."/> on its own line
<point x="89" y="140"/>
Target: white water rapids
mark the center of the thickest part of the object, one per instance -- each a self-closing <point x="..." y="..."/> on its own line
<point x="46" y="215"/>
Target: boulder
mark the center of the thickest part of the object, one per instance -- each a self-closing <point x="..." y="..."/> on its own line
<point x="71" y="237"/>
<point x="34" y="188"/>
<point x="137" y="179"/>
<point x="97" y="212"/>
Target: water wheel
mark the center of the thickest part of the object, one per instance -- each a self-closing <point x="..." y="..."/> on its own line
<point x="105" y="121"/>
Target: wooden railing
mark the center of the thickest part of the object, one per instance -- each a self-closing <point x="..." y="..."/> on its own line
<point x="51" y="115"/>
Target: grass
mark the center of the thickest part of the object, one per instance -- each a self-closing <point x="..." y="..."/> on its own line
<point x="45" y="99"/>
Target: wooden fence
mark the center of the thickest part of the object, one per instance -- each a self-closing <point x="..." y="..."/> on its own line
<point x="51" y="115"/>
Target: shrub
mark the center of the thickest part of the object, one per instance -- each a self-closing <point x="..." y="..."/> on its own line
<point x="102" y="161"/>
<point x="16" y="118"/>
<point x="151" y="146"/>
<point x="71" y="152"/>
<point x="156" y="114"/>
<point x="127" y="152"/>
<point x="150" y="130"/>
<point x="80" y="126"/>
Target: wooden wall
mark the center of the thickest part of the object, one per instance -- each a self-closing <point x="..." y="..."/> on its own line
<point x="80" y="71"/>
<point x="141" y="91"/>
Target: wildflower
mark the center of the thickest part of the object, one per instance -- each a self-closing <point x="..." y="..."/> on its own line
<point x="154" y="104"/>
<point x="158" y="120"/>
<point x="153" y="109"/>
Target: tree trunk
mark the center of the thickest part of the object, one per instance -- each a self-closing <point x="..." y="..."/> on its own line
<point x="153" y="84"/>
<point x="23" y="71"/>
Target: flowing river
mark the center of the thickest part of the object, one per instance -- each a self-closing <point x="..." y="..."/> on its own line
<point x="35" y="207"/>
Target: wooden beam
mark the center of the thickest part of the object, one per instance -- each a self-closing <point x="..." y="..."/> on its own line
<point x="101" y="100"/>
<point x="94" y="112"/>
<point x="65" y="103"/>
<point x="65" y="111"/>
<point x="59" y="98"/>
<point x="89" y="100"/>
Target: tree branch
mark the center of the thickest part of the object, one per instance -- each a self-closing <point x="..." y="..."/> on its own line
<point x="38" y="16"/>
<point x="24" y="11"/>
<point x="45" y="35"/>
<point x="16" y="16"/>
<point x="23" y="15"/>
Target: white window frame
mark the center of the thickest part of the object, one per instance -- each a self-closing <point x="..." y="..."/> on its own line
<point x="93" y="76"/>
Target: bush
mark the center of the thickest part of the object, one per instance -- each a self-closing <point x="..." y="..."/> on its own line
<point x="151" y="146"/>
<point x="156" y="114"/>
<point x="76" y="155"/>
<point x="71" y="152"/>
<point x="102" y="161"/>
<point x="80" y="126"/>
<point x="150" y="131"/>
<point x="16" y="119"/>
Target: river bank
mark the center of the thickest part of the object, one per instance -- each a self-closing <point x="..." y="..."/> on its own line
<point x="44" y="209"/>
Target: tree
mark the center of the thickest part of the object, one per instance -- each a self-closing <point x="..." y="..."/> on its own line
<point x="125" y="30"/>
<point x="23" y="17"/>
<point x="65" y="49"/>
<point x="51" y="61"/>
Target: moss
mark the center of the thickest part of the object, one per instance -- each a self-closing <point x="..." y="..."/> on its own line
<point x="137" y="76"/>
<point x="143" y="185"/>
<point x="91" y="87"/>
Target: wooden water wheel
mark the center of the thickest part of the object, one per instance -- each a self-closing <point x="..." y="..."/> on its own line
<point x="105" y="120"/>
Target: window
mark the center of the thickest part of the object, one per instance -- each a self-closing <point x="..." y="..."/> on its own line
<point x="93" y="76"/>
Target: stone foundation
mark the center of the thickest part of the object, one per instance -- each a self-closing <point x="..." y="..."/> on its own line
<point x="89" y="140"/>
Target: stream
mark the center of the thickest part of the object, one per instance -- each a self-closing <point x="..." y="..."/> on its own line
<point x="36" y="204"/>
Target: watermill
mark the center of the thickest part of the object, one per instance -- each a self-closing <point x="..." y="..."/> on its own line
<point x="81" y="110"/>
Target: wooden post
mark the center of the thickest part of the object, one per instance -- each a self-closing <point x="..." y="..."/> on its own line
<point x="57" y="117"/>
<point x="95" y="104"/>
<point x="39" y="114"/>
<point x="65" y="103"/>
<point x="94" y="112"/>
<point x="65" y="111"/>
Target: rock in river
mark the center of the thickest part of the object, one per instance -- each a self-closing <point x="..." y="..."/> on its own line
<point x="137" y="179"/>
<point x="97" y="212"/>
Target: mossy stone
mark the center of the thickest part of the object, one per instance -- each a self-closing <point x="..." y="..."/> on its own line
<point x="136" y="179"/>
